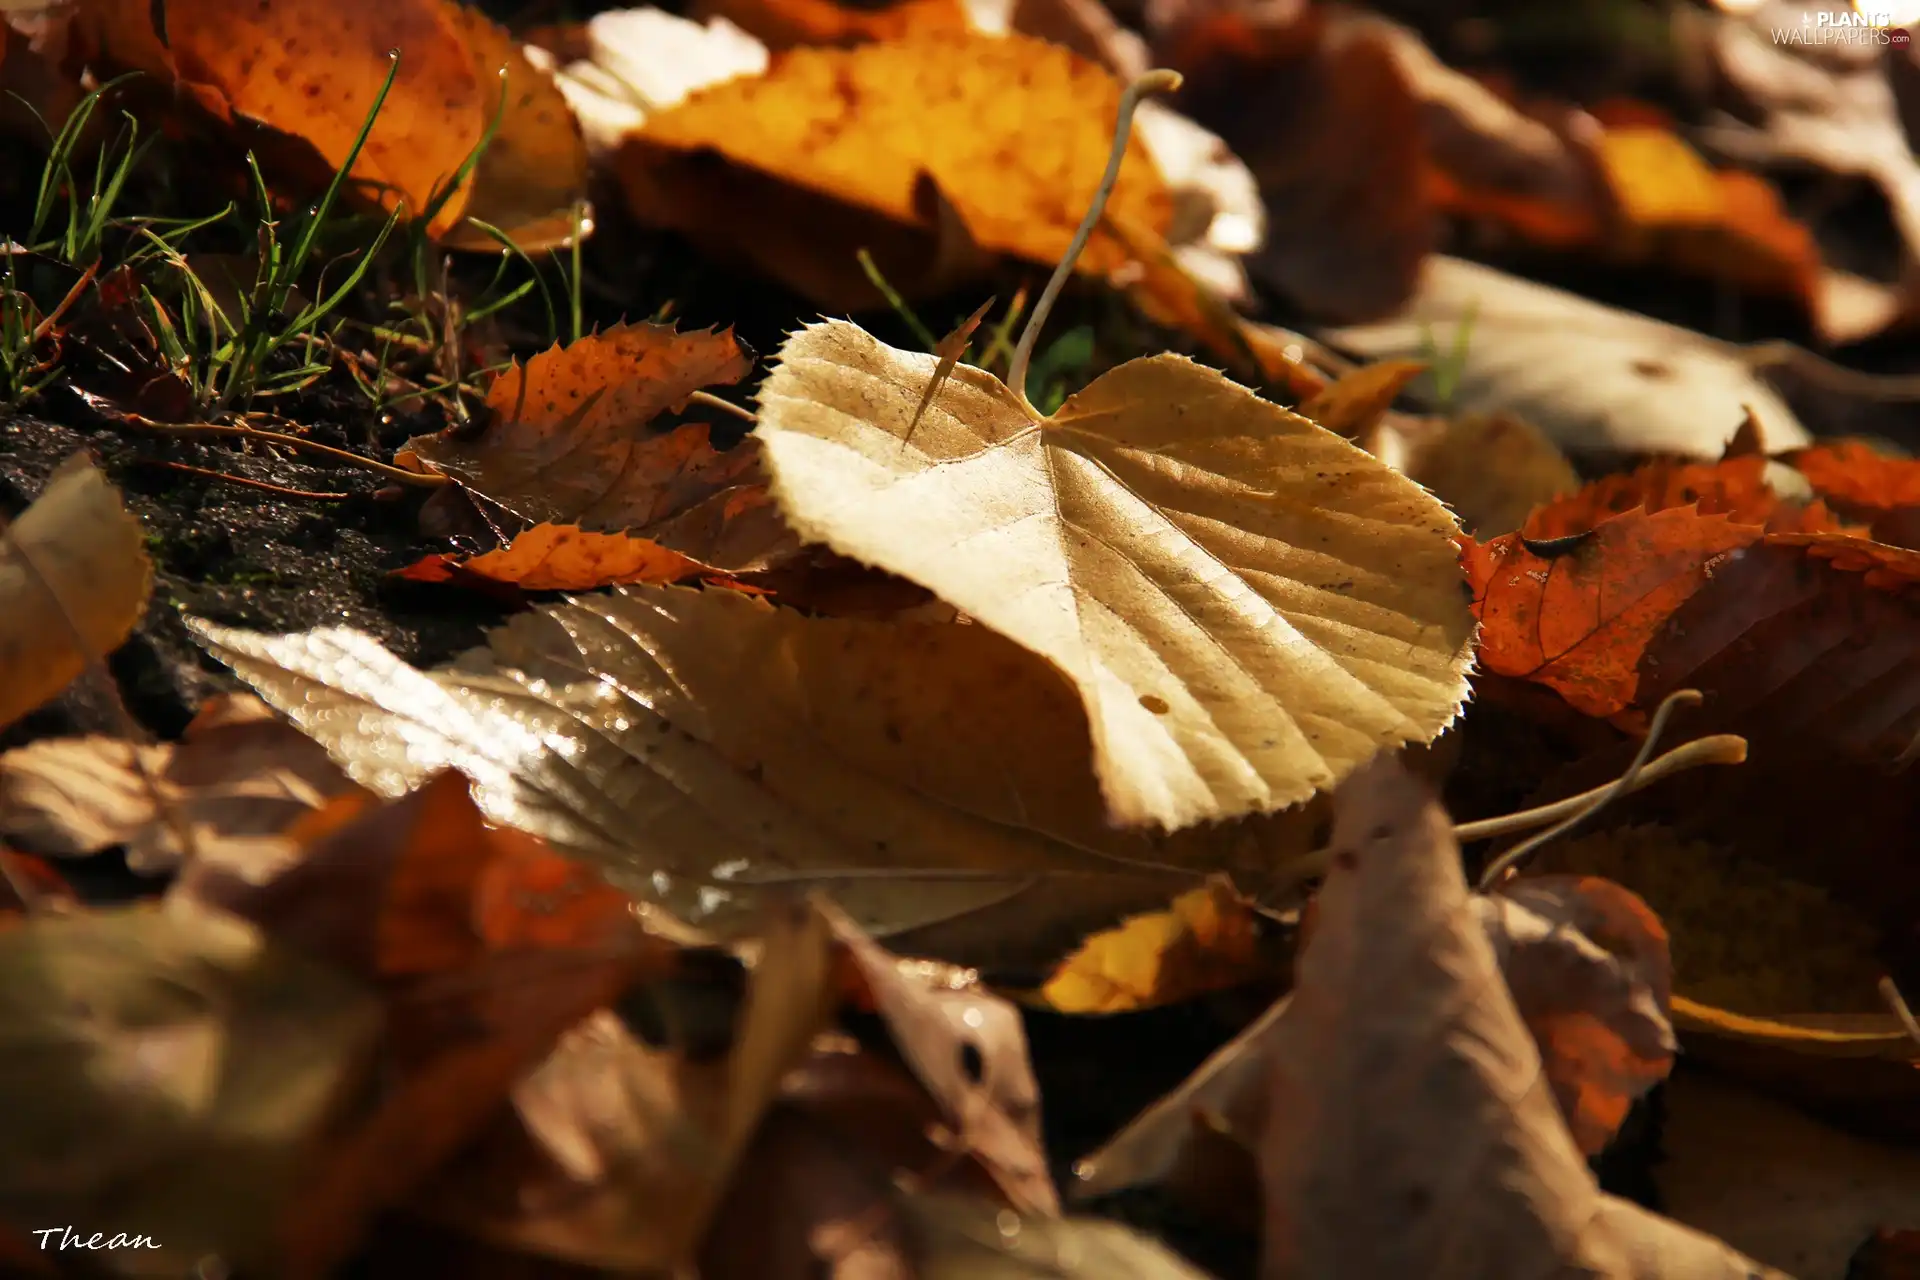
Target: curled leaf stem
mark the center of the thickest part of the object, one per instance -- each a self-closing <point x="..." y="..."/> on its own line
<point x="399" y="475"/>
<point x="1500" y="867"/>
<point x="1719" y="748"/>
<point x="1152" y="82"/>
<point x="712" y="401"/>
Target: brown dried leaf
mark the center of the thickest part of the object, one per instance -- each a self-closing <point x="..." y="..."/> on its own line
<point x="534" y="170"/>
<point x="1327" y="121"/>
<point x="239" y="776"/>
<point x="1405" y="1088"/>
<point x="213" y="1057"/>
<point x="74" y="578"/>
<point x="969" y="1048"/>
<point x="487" y="947"/>
<point x="1586" y="963"/>
<point x="617" y="1153"/>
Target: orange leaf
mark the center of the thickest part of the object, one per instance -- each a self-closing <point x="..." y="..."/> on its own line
<point x="1578" y="618"/>
<point x="553" y="557"/>
<point x="1734" y="487"/>
<point x="1807" y="641"/>
<point x="313" y="70"/>
<point x="1674" y="206"/>
<point x="1207" y="940"/>
<point x="1011" y="133"/>
<point x="568" y="445"/>
<point x="1859" y="478"/>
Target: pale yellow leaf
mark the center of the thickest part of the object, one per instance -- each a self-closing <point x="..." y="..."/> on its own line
<point x="1248" y="605"/>
<point x="74" y="577"/>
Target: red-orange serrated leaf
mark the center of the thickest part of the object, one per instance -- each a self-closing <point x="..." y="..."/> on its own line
<point x="1859" y="477"/>
<point x="556" y="557"/>
<point x="569" y="440"/>
<point x="1734" y="487"/>
<point x="1868" y="485"/>
<point x="1804" y="642"/>
<point x="1576" y="614"/>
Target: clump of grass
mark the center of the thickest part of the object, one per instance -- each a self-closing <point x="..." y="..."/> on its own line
<point x="1447" y="369"/>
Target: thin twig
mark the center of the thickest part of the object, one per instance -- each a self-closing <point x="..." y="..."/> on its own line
<point x="244" y="432"/>
<point x="1152" y="82"/>
<point x="1821" y="372"/>
<point x="1512" y="858"/>
<point x="280" y="489"/>
<point x="45" y="327"/>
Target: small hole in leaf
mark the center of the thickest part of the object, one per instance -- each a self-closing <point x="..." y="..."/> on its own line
<point x="1155" y="704"/>
<point x="972" y="1063"/>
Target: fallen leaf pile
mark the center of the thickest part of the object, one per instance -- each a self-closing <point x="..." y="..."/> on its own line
<point x="1174" y="779"/>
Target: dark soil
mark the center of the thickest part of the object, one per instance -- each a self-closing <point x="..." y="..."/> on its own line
<point x="242" y="557"/>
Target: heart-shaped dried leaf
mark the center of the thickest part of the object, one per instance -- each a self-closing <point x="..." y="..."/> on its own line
<point x="1248" y="605"/>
